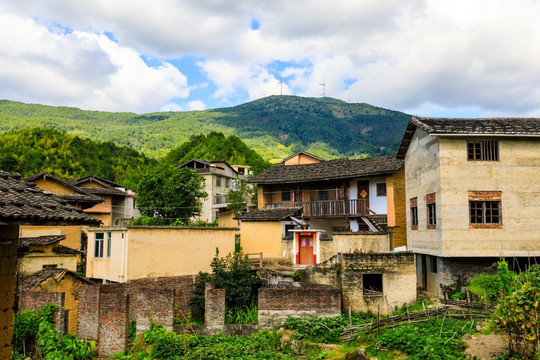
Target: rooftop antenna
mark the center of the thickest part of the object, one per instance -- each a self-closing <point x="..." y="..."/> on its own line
<point x="280" y="83"/>
<point x="323" y="88"/>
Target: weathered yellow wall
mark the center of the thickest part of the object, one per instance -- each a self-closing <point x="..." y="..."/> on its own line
<point x="397" y="209"/>
<point x="227" y="220"/>
<point x="70" y="286"/>
<point x="301" y="159"/>
<point x="108" y="268"/>
<point x="262" y="236"/>
<point x="157" y="251"/>
<point x="423" y="176"/>
<point x="102" y="211"/>
<point x="175" y="251"/>
<point x="34" y="262"/>
<point x="53" y="187"/>
<point x="72" y="232"/>
<point x="8" y="268"/>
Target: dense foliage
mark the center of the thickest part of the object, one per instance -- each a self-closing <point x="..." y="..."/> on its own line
<point x="26" y="326"/>
<point x="217" y="147"/>
<point x="171" y="194"/>
<point x="53" y="346"/>
<point x="159" y="344"/>
<point x="34" y="150"/>
<point x="275" y="126"/>
<point x="233" y="274"/>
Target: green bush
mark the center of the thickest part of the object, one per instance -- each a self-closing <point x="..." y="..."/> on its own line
<point x="242" y="315"/>
<point x="26" y="326"/>
<point x="489" y="285"/>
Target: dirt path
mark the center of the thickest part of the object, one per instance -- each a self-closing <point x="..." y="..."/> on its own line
<point x="485" y="347"/>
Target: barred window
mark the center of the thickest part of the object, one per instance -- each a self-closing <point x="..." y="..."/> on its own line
<point x="381" y="189"/>
<point x="483" y="150"/>
<point x="485" y="212"/>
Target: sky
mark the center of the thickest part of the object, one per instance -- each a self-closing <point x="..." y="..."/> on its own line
<point x="459" y="58"/>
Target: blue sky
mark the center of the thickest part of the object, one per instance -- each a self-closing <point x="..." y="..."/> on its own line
<point x="429" y="58"/>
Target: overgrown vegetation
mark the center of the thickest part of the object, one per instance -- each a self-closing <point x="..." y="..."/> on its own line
<point x="233" y="274"/>
<point x="34" y="334"/>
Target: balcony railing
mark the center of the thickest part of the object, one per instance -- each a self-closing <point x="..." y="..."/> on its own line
<point x="324" y="208"/>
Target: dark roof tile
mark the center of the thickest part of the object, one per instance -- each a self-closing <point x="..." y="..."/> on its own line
<point x="31" y="281"/>
<point x="329" y="170"/>
<point x="270" y="214"/>
<point x="40" y="240"/>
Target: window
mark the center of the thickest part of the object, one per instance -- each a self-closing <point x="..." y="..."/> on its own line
<point x="98" y="246"/>
<point x="285" y="195"/>
<point x="434" y="264"/>
<point x="227" y="182"/>
<point x="288" y="234"/>
<point x="431" y="211"/>
<point x="483" y="150"/>
<point x="381" y="189"/>
<point x="414" y="213"/>
<point x="372" y="284"/>
<point x="241" y="170"/>
<point x="485" y="209"/>
<point x="217" y="215"/>
<point x="109" y="244"/>
<point x="218" y="180"/>
<point x="323" y="195"/>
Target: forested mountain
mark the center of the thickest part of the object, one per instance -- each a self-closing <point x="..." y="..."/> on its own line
<point x="275" y="127"/>
<point x="34" y="150"/>
<point x="216" y="147"/>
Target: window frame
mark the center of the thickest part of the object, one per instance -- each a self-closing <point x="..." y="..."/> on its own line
<point x="381" y="189"/>
<point x="109" y="243"/>
<point x="218" y="180"/>
<point x="483" y="150"/>
<point x="372" y="277"/>
<point x="98" y="245"/>
<point x="284" y="198"/>
<point x="431" y="211"/>
<point x="414" y="213"/>
<point x="483" y="199"/>
<point x="324" y="193"/>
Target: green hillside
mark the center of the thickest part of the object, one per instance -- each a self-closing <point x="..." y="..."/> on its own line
<point x="275" y="127"/>
<point x="34" y="150"/>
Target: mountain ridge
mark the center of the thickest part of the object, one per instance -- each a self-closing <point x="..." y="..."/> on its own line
<point x="275" y="126"/>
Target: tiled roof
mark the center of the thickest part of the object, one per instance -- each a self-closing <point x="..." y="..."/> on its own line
<point x="269" y="214"/>
<point x="80" y="196"/>
<point x="524" y="127"/>
<point x="302" y="153"/>
<point x="102" y="191"/>
<point x="97" y="179"/>
<point x="31" y="281"/>
<point x="328" y="170"/>
<point x="64" y="250"/>
<point x="40" y="240"/>
<point x="21" y="202"/>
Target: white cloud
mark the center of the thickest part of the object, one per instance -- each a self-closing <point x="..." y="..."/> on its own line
<point x="80" y="69"/>
<point x="196" y="105"/>
<point x="419" y="55"/>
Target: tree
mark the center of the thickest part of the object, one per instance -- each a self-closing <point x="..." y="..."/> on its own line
<point x="171" y="193"/>
<point x="240" y="196"/>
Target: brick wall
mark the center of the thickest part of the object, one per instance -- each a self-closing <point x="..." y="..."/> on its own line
<point x="113" y="319"/>
<point x="8" y="268"/>
<point x="153" y="306"/>
<point x="214" y="306"/>
<point x="275" y="305"/>
<point x="88" y="320"/>
<point x="33" y="300"/>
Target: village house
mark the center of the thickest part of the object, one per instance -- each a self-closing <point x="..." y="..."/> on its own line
<point x="473" y="195"/>
<point x="119" y="201"/>
<point x="123" y="253"/>
<point x="37" y="253"/>
<point x="326" y="207"/>
<point x="219" y="179"/>
<point x="74" y="196"/>
<point x="22" y="203"/>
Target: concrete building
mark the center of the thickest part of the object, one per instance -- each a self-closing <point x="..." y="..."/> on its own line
<point x="473" y="195"/>
<point x="219" y="178"/>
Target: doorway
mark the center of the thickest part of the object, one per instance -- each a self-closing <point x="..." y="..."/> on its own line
<point x="305" y="249"/>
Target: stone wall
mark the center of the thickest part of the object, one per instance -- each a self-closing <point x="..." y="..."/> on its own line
<point x="113" y="319"/>
<point x="33" y="300"/>
<point x="154" y="306"/>
<point x="276" y="305"/>
<point x="358" y="275"/>
<point x="88" y="321"/>
<point x="214" y="306"/>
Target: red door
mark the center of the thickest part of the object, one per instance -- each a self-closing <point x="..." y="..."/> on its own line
<point x="306" y="249"/>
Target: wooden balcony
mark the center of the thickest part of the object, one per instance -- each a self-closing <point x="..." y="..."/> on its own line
<point x="328" y="208"/>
